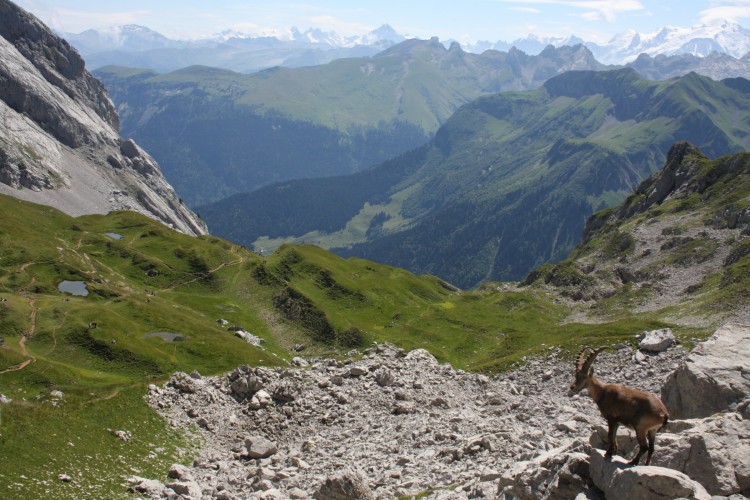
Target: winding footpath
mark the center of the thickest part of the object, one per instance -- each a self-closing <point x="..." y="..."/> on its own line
<point x="22" y="341"/>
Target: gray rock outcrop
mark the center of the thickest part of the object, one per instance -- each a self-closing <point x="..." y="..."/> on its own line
<point x="693" y="459"/>
<point x="60" y="143"/>
<point x="656" y="340"/>
<point x="619" y="481"/>
<point x="714" y="451"/>
<point x="714" y="378"/>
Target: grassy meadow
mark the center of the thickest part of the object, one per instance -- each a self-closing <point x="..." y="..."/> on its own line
<point x="143" y="278"/>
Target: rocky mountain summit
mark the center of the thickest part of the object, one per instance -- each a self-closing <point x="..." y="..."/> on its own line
<point x="59" y="141"/>
<point x="398" y="424"/>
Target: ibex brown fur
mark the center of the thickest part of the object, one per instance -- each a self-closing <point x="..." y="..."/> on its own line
<point x="639" y="410"/>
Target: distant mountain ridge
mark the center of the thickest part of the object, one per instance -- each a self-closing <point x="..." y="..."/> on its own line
<point x="138" y="46"/>
<point x="702" y="40"/>
<point x="507" y="182"/>
<point x="217" y="133"/>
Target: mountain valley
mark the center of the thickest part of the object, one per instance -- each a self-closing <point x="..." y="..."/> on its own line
<point x="472" y="205"/>
<point x="217" y="133"/>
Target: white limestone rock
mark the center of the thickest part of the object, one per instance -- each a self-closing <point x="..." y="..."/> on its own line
<point x="715" y="377"/>
<point x="657" y="340"/>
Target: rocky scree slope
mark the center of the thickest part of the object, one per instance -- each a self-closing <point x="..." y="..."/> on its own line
<point x="397" y="424"/>
<point x="680" y="240"/>
<point x="403" y="421"/>
<point x="59" y="140"/>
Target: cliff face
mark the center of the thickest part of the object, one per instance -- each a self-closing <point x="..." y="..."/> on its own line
<point x="60" y="143"/>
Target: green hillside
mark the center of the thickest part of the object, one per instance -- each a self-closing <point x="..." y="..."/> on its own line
<point x="506" y="184"/>
<point x="216" y="133"/>
<point x="99" y="352"/>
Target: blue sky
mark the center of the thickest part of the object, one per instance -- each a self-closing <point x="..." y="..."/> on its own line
<point x="465" y="21"/>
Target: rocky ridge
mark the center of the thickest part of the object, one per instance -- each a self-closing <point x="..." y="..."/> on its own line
<point x="681" y="228"/>
<point x="396" y="424"/>
<point x="716" y="66"/>
<point x="59" y="140"/>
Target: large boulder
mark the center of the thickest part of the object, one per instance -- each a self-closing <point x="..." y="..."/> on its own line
<point x="714" y="378"/>
<point x="656" y="340"/>
<point x="346" y="485"/>
<point x="620" y="481"/>
<point x="559" y="473"/>
<point x="714" y="451"/>
<point x="260" y="447"/>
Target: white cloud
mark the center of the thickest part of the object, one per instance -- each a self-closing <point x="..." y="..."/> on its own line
<point x="720" y="11"/>
<point x="594" y="10"/>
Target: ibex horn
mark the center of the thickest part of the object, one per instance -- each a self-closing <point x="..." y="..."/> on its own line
<point x="590" y="359"/>
<point x="581" y="358"/>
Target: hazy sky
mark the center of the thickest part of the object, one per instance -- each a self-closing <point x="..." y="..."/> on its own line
<point x="465" y="21"/>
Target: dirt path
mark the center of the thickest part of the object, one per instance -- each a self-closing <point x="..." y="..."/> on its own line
<point x="22" y="341"/>
<point x="240" y="260"/>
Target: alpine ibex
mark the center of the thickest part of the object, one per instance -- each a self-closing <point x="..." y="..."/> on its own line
<point x="639" y="410"/>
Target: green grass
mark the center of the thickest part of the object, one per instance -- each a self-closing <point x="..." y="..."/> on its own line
<point x="157" y="280"/>
<point x="41" y="441"/>
<point x="103" y="370"/>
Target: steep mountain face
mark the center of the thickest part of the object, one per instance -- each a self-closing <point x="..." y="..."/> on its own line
<point x="679" y="241"/>
<point x="59" y="143"/>
<point x="216" y="133"/>
<point x="141" y="47"/>
<point x="507" y="183"/>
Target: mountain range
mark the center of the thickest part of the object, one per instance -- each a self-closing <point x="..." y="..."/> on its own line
<point x="216" y="133"/>
<point x="507" y="182"/>
<point x="699" y="40"/>
<point x="141" y="47"/>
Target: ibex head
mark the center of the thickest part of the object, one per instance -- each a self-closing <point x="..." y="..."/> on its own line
<point x="583" y="368"/>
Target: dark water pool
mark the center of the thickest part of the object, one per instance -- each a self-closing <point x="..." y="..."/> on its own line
<point x="73" y="288"/>
<point x="168" y="336"/>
